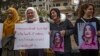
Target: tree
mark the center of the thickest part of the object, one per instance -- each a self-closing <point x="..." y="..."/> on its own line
<point x="42" y="13"/>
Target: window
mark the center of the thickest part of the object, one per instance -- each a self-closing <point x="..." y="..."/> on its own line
<point x="49" y="5"/>
<point x="40" y="5"/>
<point x="34" y="0"/>
<point x="43" y="4"/>
<point x="30" y="0"/>
<point x="97" y="4"/>
<point x="34" y="5"/>
<point x="65" y="4"/>
<point x="57" y="4"/>
<point x="54" y="5"/>
<point x="29" y="4"/>
<point x="40" y="0"/>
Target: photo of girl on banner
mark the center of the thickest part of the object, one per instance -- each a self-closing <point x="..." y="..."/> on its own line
<point x="87" y="36"/>
<point x="57" y="42"/>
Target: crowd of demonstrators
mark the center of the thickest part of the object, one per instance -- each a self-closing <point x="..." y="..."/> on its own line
<point x="63" y="29"/>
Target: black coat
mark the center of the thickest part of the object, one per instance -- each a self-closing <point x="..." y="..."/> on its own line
<point x="64" y="25"/>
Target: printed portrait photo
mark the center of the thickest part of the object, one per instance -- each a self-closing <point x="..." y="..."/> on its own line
<point x="87" y="37"/>
<point x="57" y="42"/>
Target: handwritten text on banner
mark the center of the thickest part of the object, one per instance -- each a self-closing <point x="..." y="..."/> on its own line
<point x="32" y="36"/>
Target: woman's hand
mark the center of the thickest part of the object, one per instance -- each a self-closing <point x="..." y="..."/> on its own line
<point x="49" y="32"/>
<point x="62" y="33"/>
<point x="98" y="33"/>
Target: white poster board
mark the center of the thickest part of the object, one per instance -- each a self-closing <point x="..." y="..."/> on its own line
<point x="32" y="36"/>
<point x="1" y="31"/>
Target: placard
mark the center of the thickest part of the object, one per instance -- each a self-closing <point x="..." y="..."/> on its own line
<point x="32" y="36"/>
<point x="87" y="37"/>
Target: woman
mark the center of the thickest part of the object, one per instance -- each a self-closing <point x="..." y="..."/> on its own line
<point x="8" y="33"/>
<point x="86" y="15"/>
<point x="32" y="17"/>
<point x="89" y="37"/>
<point x="58" y="22"/>
<point x="58" y="40"/>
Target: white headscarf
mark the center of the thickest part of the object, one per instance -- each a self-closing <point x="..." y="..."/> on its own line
<point x="35" y="13"/>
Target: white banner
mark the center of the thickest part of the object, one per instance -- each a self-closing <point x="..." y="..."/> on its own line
<point x="32" y="36"/>
<point x="1" y="31"/>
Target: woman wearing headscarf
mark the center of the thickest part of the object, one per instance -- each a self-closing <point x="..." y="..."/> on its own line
<point x="8" y="33"/>
<point x="32" y="17"/>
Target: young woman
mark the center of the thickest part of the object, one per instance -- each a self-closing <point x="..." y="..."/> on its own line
<point x="58" y="22"/>
<point x="8" y="33"/>
<point x="58" y="40"/>
<point x="86" y="15"/>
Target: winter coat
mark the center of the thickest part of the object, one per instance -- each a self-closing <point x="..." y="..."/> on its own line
<point x="66" y="25"/>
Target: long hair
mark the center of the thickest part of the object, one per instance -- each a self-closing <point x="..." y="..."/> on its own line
<point x="56" y="10"/>
<point x="61" y="38"/>
<point x="93" y="30"/>
<point x="84" y="7"/>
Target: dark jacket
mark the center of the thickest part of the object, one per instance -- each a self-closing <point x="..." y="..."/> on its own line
<point x="8" y="45"/>
<point x="65" y="24"/>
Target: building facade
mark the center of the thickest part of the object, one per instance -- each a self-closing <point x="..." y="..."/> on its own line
<point x="63" y="5"/>
<point x="41" y="4"/>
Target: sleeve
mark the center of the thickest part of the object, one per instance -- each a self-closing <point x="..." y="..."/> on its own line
<point x="76" y="32"/>
<point x="69" y="27"/>
<point x="98" y="27"/>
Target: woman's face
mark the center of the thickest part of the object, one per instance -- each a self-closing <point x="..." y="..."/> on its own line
<point x="54" y="15"/>
<point x="57" y="38"/>
<point x="89" y="11"/>
<point x="10" y="14"/>
<point x="88" y="32"/>
<point x="30" y="14"/>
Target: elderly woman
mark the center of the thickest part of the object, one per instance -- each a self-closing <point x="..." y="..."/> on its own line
<point x="32" y="17"/>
